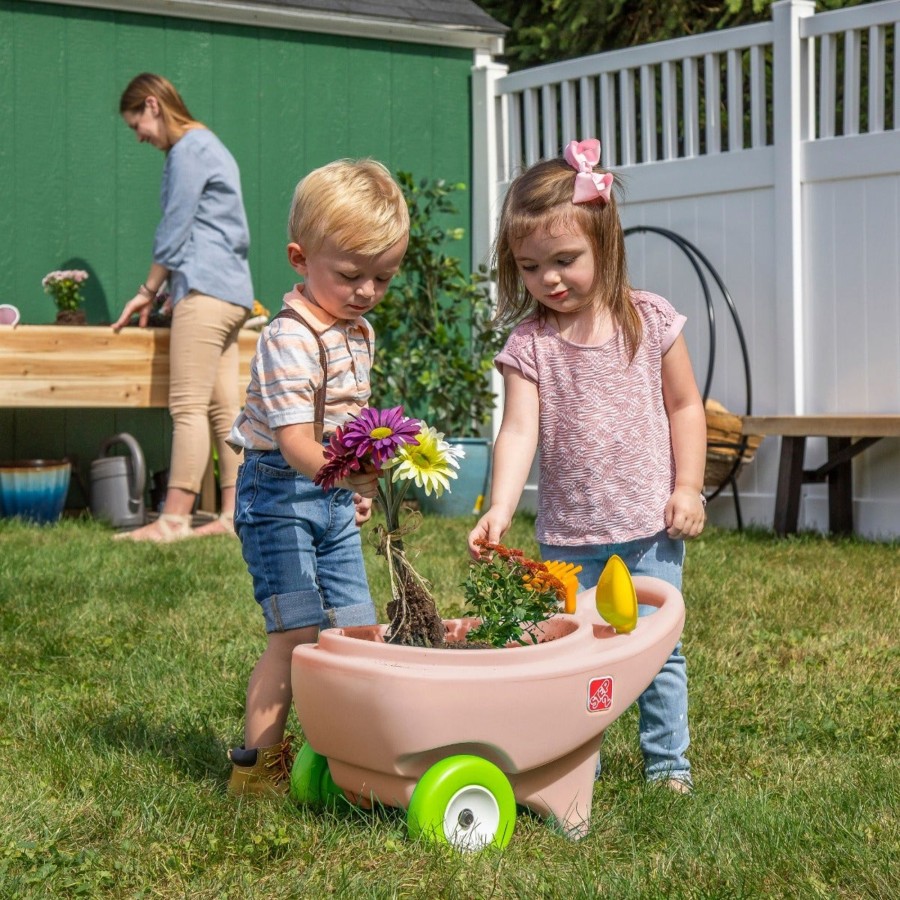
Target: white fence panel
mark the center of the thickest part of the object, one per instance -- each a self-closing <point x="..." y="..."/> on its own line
<point x="793" y="195"/>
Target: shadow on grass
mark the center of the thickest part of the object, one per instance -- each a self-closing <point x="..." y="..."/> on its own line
<point x="198" y="753"/>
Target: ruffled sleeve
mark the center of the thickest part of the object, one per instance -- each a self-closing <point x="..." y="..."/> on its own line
<point x="661" y="318"/>
<point x="519" y="352"/>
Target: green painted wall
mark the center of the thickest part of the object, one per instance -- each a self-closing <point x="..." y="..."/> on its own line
<point x="79" y="191"/>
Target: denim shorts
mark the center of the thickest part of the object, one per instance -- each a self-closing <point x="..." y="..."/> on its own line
<point x="302" y="547"/>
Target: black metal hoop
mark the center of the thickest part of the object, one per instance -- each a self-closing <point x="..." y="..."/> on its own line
<point x="699" y="263"/>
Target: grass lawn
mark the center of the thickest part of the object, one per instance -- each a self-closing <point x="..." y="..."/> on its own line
<point x="124" y="671"/>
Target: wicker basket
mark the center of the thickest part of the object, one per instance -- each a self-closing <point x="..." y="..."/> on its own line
<point x="723" y="441"/>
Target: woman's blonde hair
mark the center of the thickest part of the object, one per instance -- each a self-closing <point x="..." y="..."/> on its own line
<point x="355" y="202"/>
<point x="175" y="114"/>
<point x="542" y="197"/>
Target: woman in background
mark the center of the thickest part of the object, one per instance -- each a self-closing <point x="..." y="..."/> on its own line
<point x="200" y="249"/>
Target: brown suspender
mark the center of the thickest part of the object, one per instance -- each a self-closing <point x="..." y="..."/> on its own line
<point x="319" y="422"/>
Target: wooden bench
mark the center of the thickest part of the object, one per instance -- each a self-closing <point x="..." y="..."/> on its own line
<point x="848" y="435"/>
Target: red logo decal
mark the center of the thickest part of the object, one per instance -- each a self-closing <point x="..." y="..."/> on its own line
<point x="600" y="693"/>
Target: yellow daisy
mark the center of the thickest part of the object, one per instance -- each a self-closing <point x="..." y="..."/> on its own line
<point x="430" y="462"/>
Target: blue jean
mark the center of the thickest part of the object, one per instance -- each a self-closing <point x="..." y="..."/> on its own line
<point x="663" y="707"/>
<point x="302" y="547"/>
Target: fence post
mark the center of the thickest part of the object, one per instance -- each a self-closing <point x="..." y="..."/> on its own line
<point x="488" y="138"/>
<point x="487" y="145"/>
<point x="792" y="106"/>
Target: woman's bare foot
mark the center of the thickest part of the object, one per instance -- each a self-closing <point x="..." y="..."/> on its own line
<point x="224" y="524"/>
<point x="164" y="530"/>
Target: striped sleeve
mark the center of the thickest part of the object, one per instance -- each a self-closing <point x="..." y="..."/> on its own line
<point x="288" y="373"/>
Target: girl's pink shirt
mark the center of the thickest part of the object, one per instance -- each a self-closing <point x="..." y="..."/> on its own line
<point x="606" y="463"/>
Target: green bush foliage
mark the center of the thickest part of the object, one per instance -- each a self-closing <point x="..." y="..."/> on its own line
<point x="435" y="348"/>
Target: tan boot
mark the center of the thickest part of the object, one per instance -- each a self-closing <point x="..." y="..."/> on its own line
<point x="268" y="774"/>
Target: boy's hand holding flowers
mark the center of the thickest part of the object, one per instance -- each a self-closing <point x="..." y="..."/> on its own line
<point x="393" y="450"/>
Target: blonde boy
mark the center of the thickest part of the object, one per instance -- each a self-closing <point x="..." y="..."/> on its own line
<point x="348" y="232"/>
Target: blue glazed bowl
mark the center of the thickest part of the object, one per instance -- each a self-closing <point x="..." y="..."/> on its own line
<point x="34" y="489"/>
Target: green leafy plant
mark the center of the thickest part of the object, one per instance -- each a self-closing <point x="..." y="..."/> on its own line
<point x="511" y="594"/>
<point x="435" y="321"/>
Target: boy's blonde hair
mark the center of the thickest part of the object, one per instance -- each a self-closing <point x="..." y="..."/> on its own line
<point x="542" y="196"/>
<point x="355" y="202"/>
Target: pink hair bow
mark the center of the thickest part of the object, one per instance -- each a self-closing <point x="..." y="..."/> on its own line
<point x="582" y="156"/>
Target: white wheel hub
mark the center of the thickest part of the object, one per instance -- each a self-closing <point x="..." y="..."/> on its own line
<point x="472" y="818"/>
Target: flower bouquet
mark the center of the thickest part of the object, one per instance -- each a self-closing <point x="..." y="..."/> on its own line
<point x="510" y="593"/>
<point x="64" y="285"/>
<point x="401" y="451"/>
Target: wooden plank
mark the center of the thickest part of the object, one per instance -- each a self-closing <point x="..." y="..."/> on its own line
<point x="92" y="240"/>
<point x="38" y="118"/>
<point x="450" y="118"/>
<point x="7" y="434"/>
<point x="92" y="367"/>
<point x="8" y="211"/>
<point x="824" y="425"/>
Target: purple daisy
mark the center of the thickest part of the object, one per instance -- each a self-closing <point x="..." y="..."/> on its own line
<point x="377" y="433"/>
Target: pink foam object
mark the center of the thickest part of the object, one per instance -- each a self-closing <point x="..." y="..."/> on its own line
<point x="383" y="714"/>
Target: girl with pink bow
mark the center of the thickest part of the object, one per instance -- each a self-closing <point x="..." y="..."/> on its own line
<point x="598" y="377"/>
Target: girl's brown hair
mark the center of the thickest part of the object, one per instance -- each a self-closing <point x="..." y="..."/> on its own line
<point x="175" y="114"/>
<point x="542" y="196"/>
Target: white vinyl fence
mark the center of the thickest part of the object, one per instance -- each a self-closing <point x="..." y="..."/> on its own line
<point x="775" y="149"/>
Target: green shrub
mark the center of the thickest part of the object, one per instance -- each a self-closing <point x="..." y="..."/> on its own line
<point x="435" y="349"/>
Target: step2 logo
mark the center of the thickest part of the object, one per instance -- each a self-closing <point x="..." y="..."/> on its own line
<point x="600" y="693"/>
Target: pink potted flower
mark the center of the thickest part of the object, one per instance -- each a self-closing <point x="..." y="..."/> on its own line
<point x="64" y="285"/>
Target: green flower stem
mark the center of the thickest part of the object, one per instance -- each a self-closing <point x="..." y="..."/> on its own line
<point x="390" y="497"/>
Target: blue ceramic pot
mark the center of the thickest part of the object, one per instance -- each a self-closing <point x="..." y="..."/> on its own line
<point x="34" y="489"/>
<point x="468" y="492"/>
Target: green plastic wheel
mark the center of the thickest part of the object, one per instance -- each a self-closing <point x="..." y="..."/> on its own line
<point x="311" y="780"/>
<point x="464" y="801"/>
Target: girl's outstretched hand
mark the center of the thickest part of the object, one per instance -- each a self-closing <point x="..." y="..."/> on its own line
<point x="491" y="527"/>
<point x="685" y="513"/>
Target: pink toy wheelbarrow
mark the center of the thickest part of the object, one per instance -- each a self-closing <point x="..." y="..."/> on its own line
<point x="458" y="738"/>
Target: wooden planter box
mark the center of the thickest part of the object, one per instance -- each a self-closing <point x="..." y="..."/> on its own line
<point x="92" y="367"/>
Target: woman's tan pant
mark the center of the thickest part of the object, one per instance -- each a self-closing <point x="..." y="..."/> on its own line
<point x="204" y="394"/>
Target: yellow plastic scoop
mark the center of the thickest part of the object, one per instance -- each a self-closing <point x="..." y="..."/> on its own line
<point x="566" y="573"/>
<point x="616" y="597"/>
